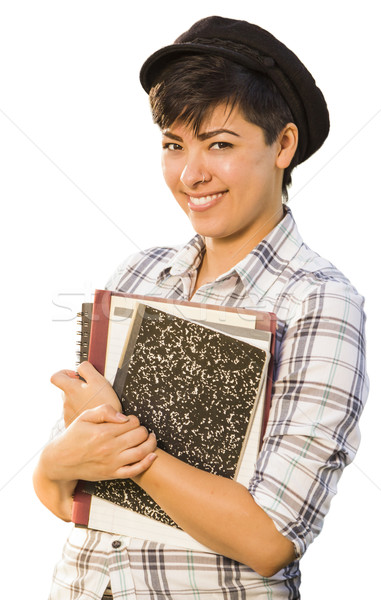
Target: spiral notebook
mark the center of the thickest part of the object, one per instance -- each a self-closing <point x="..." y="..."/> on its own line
<point x="123" y="507"/>
<point x="84" y="323"/>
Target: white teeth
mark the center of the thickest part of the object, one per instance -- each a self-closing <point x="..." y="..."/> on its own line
<point x="205" y="199"/>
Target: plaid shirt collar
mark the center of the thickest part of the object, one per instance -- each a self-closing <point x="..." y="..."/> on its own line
<point x="257" y="271"/>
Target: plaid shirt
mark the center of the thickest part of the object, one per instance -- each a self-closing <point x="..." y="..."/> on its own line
<point x="312" y="434"/>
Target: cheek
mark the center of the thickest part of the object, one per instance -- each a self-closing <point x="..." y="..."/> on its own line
<point x="171" y="172"/>
<point x="227" y="171"/>
<point x="238" y="175"/>
<point x="165" y="170"/>
<point x="256" y="171"/>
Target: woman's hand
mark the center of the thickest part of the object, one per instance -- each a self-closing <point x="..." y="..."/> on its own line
<point x="101" y="444"/>
<point x="80" y="395"/>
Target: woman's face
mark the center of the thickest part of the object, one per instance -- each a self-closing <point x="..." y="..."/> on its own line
<point x="226" y="179"/>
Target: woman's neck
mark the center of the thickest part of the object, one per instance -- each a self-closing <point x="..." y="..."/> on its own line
<point x="216" y="261"/>
<point x="222" y="254"/>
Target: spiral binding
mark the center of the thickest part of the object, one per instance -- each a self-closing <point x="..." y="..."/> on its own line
<point x="84" y="323"/>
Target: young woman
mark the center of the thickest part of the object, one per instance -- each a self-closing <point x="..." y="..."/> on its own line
<point x="237" y="111"/>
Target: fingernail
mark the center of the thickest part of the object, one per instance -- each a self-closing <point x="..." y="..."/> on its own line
<point x="121" y="417"/>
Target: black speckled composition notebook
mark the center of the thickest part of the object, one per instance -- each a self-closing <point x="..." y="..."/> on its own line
<point x="195" y="387"/>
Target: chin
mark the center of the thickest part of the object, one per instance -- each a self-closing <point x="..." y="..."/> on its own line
<point x="206" y="232"/>
<point x="210" y="230"/>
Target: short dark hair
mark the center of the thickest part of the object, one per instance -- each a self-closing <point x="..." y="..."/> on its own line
<point x="189" y="88"/>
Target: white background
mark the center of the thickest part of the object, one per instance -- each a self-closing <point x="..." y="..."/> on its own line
<point x="81" y="188"/>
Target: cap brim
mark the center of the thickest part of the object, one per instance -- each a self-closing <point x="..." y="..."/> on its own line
<point x="155" y="63"/>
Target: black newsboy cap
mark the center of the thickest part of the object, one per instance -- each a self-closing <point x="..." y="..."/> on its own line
<point x="258" y="50"/>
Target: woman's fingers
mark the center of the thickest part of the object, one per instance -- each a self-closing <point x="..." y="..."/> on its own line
<point x="99" y="443"/>
<point x="137" y="460"/>
<point x="89" y="373"/>
<point x="139" y="452"/>
<point x="67" y="379"/>
<point x="105" y="413"/>
<point x="135" y="469"/>
<point x="84" y="390"/>
<point x="124" y="439"/>
<point x="135" y="438"/>
<point x="64" y="379"/>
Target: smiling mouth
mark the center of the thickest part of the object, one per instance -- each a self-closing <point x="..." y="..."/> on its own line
<point x="205" y="199"/>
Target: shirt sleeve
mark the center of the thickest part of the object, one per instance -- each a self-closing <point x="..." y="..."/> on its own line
<point x="57" y="429"/>
<point x="318" y="394"/>
<point x="120" y="272"/>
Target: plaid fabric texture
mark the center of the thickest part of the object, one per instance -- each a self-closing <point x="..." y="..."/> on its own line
<point x="319" y="389"/>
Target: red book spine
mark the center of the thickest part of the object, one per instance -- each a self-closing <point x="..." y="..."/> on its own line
<point x="97" y="357"/>
<point x="99" y="329"/>
<point x="81" y="507"/>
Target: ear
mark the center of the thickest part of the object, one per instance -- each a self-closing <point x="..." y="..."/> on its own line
<point x="287" y="144"/>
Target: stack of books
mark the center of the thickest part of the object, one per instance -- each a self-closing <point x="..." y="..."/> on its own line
<point x="197" y="375"/>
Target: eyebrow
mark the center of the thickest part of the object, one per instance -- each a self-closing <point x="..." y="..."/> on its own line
<point x="201" y="136"/>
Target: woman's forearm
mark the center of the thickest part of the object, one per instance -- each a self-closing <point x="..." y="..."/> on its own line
<point x="218" y="512"/>
<point x="55" y="494"/>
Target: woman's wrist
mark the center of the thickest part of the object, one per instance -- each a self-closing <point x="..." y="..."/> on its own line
<point x="51" y="465"/>
<point x="55" y="494"/>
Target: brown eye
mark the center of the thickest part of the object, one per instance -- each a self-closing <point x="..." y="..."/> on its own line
<point x="171" y="146"/>
<point x="220" y="145"/>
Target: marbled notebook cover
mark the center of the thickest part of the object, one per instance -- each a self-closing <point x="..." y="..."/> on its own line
<point x="195" y="388"/>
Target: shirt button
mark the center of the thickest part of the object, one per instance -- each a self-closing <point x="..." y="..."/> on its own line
<point x="116" y="544"/>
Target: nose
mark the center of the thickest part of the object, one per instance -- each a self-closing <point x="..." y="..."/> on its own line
<point x="194" y="173"/>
